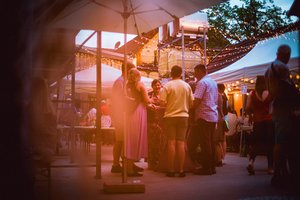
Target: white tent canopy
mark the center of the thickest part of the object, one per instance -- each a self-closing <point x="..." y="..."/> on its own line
<point x="85" y="80"/>
<point x="259" y="58"/>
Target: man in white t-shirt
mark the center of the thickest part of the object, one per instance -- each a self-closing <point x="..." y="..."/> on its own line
<point x="177" y="96"/>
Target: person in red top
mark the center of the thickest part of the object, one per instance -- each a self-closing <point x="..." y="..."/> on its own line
<point x="258" y="103"/>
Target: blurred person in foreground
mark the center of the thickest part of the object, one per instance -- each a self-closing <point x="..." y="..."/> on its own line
<point x="42" y="129"/>
<point x="42" y="122"/>
<point x="285" y="115"/>
<point x="177" y="97"/>
<point x="118" y="109"/>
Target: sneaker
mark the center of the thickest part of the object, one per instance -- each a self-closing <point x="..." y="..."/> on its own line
<point x="116" y="169"/>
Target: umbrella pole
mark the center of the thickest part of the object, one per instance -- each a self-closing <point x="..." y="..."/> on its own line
<point x="98" y="102"/>
<point x="134" y="186"/>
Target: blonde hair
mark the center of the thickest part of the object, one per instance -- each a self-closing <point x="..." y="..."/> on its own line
<point x="134" y="75"/>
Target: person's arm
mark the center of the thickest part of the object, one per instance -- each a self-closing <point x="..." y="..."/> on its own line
<point x="191" y="100"/>
<point x="163" y="97"/>
<point x="265" y="95"/>
<point x="220" y="106"/>
<point x="144" y="93"/>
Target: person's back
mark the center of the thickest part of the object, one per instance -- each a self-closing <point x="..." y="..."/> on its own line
<point x="277" y="72"/>
<point x="286" y="137"/>
<point x="178" y="98"/>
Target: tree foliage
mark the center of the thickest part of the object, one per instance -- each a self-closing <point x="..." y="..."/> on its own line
<point x="232" y="24"/>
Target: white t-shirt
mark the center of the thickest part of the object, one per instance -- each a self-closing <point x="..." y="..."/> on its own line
<point x="179" y="98"/>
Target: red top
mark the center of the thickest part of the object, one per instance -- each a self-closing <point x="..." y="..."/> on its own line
<point x="105" y="109"/>
<point x="260" y="108"/>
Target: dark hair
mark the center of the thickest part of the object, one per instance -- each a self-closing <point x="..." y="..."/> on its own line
<point x="260" y="85"/>
<point x="221" y="87"/>
<point x="200" y="67"/>
<point x="284" y="53"/>
<point x="284" y="50"/>
<point x="176" y="71"/>
<point x="154" y="82"/>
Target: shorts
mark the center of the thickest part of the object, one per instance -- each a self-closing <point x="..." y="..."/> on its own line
<point x="176" y="127"/>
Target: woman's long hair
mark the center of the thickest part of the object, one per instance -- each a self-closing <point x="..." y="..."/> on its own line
<point x="260" y="85"/>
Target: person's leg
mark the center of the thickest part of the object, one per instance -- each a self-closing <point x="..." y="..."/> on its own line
<point x="171" y="148"/>
<point x="212" y="128"/>
<point x="206" y="130"/>
<point x="254" y="143"/>
<point x="192" y="144"/>
<point x="218" y="154"/>
<point x="270" y="145"/>
<point x="204" y="143"/>
<point x="281" y="127"/>
<point x="171" y="155"/>
<point x="181" y="130"/>
<point x="117" y="149"/>
<point x="224" y="148"/>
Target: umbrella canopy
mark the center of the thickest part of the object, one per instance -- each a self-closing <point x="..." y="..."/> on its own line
<point x="124" y="16"/>
<point x="142" y="15"/>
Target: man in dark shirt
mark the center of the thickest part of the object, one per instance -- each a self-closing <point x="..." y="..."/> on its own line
<point x="279" y="84"/>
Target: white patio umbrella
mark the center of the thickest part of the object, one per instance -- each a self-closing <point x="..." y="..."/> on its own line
<point x="124" y="16"/>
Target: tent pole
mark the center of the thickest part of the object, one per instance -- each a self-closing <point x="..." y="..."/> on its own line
<point x="204" y="42"/>
<point x="98" y="102"/>
<point x="182" y="55"/>
<point x="72" y="106"/>
<point x="124" y="187"/>
<point x="124" y="175"/>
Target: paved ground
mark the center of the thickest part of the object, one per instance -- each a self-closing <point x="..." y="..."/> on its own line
<point x="230" y="182"/>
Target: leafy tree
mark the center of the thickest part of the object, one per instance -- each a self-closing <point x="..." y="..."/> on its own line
<point x="232" y="24"/>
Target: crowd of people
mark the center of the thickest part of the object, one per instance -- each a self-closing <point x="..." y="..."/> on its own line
<point x="180" y="122"/>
